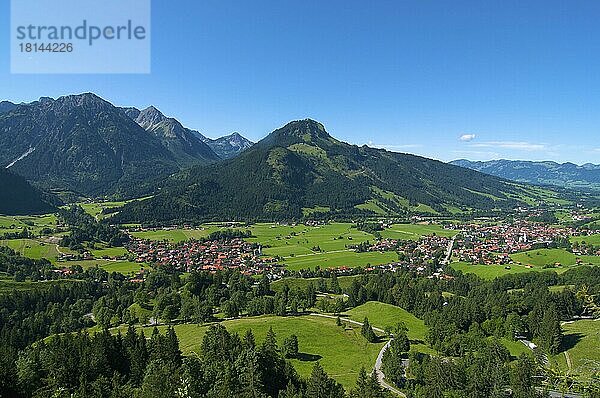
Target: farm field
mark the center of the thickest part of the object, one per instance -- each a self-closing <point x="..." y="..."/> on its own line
<point x="349" y="259"/>
<point x="301" y="283"/>
<point x="8" y="284"/>
<point x="382" y="315"/>
<point x="175" y="235"/>
<point x="415" y="231"/>
<point x="590" y="240"/>
<point x="340" y="351"/>
<point x="495" y="271"/>
<point x="32" y="248"/>
<point x="582" y="339"/>
<point x="11" y="224"/>
<point x="542" y="257"/>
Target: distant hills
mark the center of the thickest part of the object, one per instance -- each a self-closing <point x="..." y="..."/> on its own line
<point x="300" y="169"/>
<point x="17" y="197"/>
<point x="86" y="145"/>
<point x="566" y="175"/>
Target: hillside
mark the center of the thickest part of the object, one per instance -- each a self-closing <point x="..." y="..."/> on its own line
<point x="84" y="144"/>
<point x="17" y="197"/>
<point x="567" y="175"/>
<point x="300" y="166"/>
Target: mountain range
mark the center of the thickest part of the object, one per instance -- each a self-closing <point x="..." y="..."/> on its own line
<point x="300" y="169"/>
<point x="84" y="144"/>
<point x="567" y="175"/>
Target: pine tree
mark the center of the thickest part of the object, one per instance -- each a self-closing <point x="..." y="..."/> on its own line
<point x="367" y="331"/>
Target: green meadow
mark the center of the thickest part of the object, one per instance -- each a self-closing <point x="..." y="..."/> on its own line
<point x="382" y="315"/>
<point x="175" y="235"/>
<point x="541" y="257"/>
<point x="590" y="240"/>
<point x="11" y="224"/>
<point x="341" y="351"/>
<point x="415" y="231"/>
<point x="582" y="342"/>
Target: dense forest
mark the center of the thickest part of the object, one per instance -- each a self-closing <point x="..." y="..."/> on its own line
<point x="464" y="327"/>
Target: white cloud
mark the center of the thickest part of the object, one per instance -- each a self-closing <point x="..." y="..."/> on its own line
<point x="514" y="145"/>
<point x="467" y="137"/>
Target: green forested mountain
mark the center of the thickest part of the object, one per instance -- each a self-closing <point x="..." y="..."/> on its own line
<point x="84" y="144"/>
<point x="300" y="168"/>
<point x="17" y="197"/>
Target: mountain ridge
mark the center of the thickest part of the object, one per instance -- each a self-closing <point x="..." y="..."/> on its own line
<point x="566" y="175"/>
<point x="300" y="167"/>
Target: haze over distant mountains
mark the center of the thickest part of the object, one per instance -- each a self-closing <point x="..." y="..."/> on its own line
<point x="84" y="144"/>
<point x="566" y="175"/>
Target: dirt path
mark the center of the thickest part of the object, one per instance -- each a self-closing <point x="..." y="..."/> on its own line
<point x="378" y="361"/>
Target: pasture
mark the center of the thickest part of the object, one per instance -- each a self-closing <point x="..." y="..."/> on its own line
<point x="415" y="231"/>
<point x="495" y="271"/>
<point x="582" y="343"/>
<point x="541" y="257"/>
<point x="341" y="351"/>
<point x="12" y="224"/>
<point x="382" y="315"/>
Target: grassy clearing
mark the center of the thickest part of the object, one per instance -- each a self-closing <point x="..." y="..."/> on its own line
<point x="582" y="343"/>
<point x="382" y="315"/>
<point x="541" y="257"/>
<point x="11" y="224"/>
<point x="590" y="240"/>
<point x="175" y="235"/>
<point x="32" y="248"/>
<point x="340" y="351"/>
<point x="300" y="283"/>
<point x="495" y="271"/>
<point x="415" y="231"/>
<point x="8" y="284"/>
<point x="349" y="259"/>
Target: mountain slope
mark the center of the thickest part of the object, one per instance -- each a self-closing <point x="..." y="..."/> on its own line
<point x="566" y="175"/>
<point x="300" y="166"/>
<point x="17" y="197"/>
<point x="183" y="143"/>
<point x="84" y="144"/>
<point x="6" y="106"/>
<point x="229" y="146"/>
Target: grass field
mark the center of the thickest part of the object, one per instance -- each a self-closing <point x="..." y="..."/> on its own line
<point x="382" y="315"/>
<point x="495" y="271"/>
<point x="32" y="248"/>
<point x="11" y="224"/>
<point x="590" y="240"/>
<point x="8" y="284"/>
<point x="340" y="351"/>
<point x="541" y="257"/>
<point x="300" y="283"/>
<point x="582" y="340"/>
<point x="415" y="231"/>
<point x="175" y="235"/>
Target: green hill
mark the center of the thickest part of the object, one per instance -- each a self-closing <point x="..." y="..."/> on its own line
<point x="300" y="166"/>
<point x="17" y="197"/>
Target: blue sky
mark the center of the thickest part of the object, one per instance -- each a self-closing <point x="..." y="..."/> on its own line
<point x="514" y="79"/>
